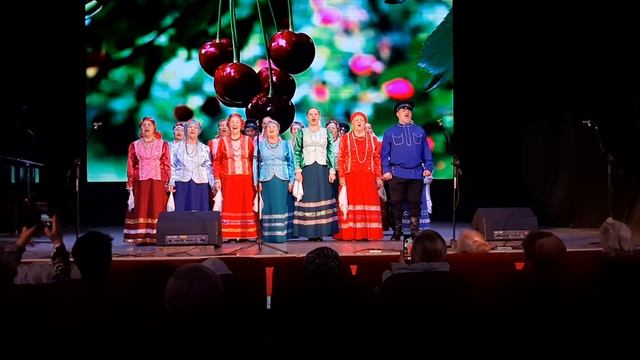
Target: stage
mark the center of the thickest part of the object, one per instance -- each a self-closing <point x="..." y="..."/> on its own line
<point x="575" y="239"/>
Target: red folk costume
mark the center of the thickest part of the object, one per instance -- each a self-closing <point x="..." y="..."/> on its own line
<point x="148" y="172"/>
<point x="359" y="164"/>
<point x="233" y="165"/>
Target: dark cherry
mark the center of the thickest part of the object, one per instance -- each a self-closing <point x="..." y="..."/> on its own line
<point x="283" y="83"/>
<point x="236" y="83"/>
<point x="292" y="52"/>
<point x="215" y="53"/>
<point x="183" y="113"/>
<point x="279" y="108"/>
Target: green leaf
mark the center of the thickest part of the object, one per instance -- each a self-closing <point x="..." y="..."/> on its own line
<point x="437" y="56"/>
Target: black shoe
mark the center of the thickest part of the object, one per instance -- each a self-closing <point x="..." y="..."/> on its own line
<point x="397" y="236"/>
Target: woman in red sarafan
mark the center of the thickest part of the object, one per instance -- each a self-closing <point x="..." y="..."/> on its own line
<point x="360" y="172"/>
<point x="233" y="173"/>
<point x="148" y="173"/>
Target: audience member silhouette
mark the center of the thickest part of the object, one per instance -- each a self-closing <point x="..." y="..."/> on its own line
<point x="193" y="294"/>
<point x="429" y="253"/>
<point x="92" y="254"/>
<point x="615" y="237"/>
<point x="472" y="241"/>
<point x="544" y="253"/>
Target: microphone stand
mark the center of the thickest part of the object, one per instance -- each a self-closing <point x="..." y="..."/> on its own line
<point x="609" y="157"/>
<point x="457" y="171"/>
<point x="76" y="163"/>
<point x="258" y="241"/>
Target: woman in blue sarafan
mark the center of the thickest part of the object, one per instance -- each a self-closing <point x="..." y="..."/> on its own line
<point x="276" y="170"/>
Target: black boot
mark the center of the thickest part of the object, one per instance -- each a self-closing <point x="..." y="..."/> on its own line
<point x="414" y="226"/>
<point x="397" y="232"/>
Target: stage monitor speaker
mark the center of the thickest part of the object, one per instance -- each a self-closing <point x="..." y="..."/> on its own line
<point x="504" y="223"/>
<point x="189" y="228"/>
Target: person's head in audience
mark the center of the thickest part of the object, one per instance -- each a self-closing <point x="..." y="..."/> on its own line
<point x="92" y="255"/>
<point x="428" y="246"/>
<point x="615" y="237"/>
<point x="193" y="292"/>
<point x="322" y="261"/>
<point x="544" y="251"/>
<point x="472" y="241"/>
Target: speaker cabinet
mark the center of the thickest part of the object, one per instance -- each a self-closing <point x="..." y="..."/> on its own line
<point x="189" y="228"/>
<point x="504" y="223"/>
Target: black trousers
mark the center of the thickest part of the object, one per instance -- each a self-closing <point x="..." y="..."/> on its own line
<point x="405" y="190"/>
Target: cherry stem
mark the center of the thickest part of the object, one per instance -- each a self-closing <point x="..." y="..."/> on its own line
<point x="219" y="22"/>
<point x="234" y="33"/>
<point x="266" y="49"/>
<point x="290" y="15"/>
<point x="273" y="15"/>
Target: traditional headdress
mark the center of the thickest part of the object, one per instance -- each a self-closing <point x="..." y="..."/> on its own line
<point x="353" y="116"/>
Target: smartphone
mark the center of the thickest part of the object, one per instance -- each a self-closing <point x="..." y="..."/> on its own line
<point x="45" y="220"/>
<point x="44" y="216"/>
<point x="407" y="245"/>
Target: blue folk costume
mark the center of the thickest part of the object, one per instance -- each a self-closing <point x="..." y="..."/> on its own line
<point x="192" y="175"/>
<point x="276" y="174"/>
<point x="406" y="154"/>
<point x="316" y="214"/>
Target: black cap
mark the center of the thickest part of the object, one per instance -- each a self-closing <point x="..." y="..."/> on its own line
<point x="344" y="127"/>
<point x="251" y="124"/>
<point x="399" y="104"/>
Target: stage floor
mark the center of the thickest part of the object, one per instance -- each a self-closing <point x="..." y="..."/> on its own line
<point x="574" y="238"/>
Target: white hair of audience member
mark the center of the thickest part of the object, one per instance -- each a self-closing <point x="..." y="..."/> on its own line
<point x="615" y="237"/>
<point x="471" y="241"/>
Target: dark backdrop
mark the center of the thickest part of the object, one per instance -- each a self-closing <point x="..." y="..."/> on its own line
<point x="526" y="76"/>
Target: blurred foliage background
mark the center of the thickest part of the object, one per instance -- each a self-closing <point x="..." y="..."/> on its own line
<point x="142" y="59"/>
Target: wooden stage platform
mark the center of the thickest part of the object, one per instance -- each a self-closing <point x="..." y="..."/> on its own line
<point x="574" y="238"/>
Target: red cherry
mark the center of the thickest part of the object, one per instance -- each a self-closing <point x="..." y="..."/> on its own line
<point x="228" y="103"/>
<point x="215" y="53"/>
<point x="283" y="83"/>
<point x="292" y="52"/>
<point x="279" y="108"/>
<point x="236" y="83"/>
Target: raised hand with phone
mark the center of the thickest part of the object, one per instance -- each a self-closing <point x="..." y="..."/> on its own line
<point x="52" y="229"/>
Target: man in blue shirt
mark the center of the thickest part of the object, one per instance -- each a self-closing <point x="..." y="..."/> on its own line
<point x="406" y="161"/>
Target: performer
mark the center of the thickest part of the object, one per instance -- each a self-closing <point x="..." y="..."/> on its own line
<point x="293" y="129"/>
<point x="334" y="129"/>
<point x="191" y="172"/>
<point x="315" y="215"/>
<point x="360" y="172"/>
<point x="276" y="179"/>
<point x="233" y="173"/>
<point x="223" y="130"/>
<point x="406" y="161"/>
<point x="178" y="136"/>
<point x="148" y="172"/>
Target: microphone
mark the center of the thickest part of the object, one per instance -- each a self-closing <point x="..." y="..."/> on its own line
<point x="587" y="122"/>
<point x="96" y="124"/>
